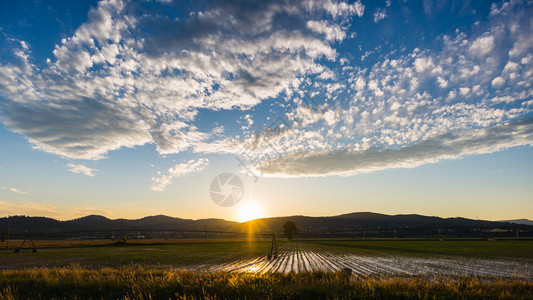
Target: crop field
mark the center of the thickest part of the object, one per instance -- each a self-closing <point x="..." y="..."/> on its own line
<point x="505" y="259"/>
<point x="304" y="257"/>
<point x="224" y="269"/>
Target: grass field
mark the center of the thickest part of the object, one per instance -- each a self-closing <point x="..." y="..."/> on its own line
<point x="142" y="283"/>
<point x="181" y="254"/>
<point x="521" y="249"/>
<point x="237" y="269"/>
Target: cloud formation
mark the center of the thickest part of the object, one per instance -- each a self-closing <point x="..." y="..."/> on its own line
<point x="140" y="73"/>
<point x="41" y="209"/>
<point x="81" y="169"/>
<point x="447" y="146"/>
<point x="27" y="208"/>
<point x="465" y="85"/>
<point x="112" y="85"/>
<point x="161" y="181"/>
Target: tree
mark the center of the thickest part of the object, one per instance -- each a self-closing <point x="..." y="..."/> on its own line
<point x="289" y="229"/>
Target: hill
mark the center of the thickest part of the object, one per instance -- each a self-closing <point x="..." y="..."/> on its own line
<point x="519" y="221"/>
<point x="358" y="222"/>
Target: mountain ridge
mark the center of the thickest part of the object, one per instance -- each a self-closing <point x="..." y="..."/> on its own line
<point x="355" y="221"/>
<point x="519" y="221"/>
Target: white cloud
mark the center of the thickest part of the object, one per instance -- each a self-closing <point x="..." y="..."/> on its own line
<point x="443" y="83"/>
<point x="423" y="63"/>
<point x="498" y="82"/>
<point x="323" y="27"/>
<point x="81" y="169"/>
<point x="161" y="181"/>
<point x="418" y="98"/>
<point x="337" y="9"/>
<point x="379" y="14"/>
<point x="360" y="83"/>
<point x="464" y="91"/>
<point x="448" y="146"/>
<point x="14" y="190"/>
<point x="110" y="85"/>
<point x="482" y="46"/>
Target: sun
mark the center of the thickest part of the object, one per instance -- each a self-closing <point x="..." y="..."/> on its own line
<point x="249" y="211"/>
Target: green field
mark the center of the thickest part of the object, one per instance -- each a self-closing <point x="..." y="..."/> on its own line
<point x="506" y="249"/>
<point x="115" y="254"/>
<point x="180" y="254"/>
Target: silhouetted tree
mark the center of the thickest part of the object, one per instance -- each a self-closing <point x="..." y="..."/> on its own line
<point x="289" y="229"/>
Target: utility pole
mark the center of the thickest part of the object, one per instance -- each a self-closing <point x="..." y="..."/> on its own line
<point x="273" y="249"/>
<point x="7" y="237"/>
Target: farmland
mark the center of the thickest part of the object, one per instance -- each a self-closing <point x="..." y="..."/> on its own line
<point x="198" y="269"/>
<point x="303" y="257"/>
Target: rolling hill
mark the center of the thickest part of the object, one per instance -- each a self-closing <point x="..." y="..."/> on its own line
<point x="307" y="226"/>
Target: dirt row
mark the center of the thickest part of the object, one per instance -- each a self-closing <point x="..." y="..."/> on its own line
<point x="301" y="257"/>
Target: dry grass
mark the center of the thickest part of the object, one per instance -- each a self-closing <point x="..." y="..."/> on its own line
<point x="135" y="282"/>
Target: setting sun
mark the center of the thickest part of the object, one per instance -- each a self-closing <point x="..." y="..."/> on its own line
<point x="248" y="211"/>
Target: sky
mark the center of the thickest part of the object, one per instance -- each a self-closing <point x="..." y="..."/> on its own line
<point x="320" y="107"/>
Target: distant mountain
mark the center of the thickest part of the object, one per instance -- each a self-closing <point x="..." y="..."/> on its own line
<point x="409" y="225"/>
<point x="369" y="220"/>
<point x="519" y="221"/>
<point x="37" y="225"/>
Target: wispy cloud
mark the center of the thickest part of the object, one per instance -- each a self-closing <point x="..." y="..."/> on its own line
<point x="14" y="190"/>
<point x="43" y="209"/>
<point x="85" y="211"/>
<point x="161" y="181"/>
<point x="379" y="14"/>
<point x="448" y="146"/>
<point x="81" y="169"/>
<point x="27" y="208"/>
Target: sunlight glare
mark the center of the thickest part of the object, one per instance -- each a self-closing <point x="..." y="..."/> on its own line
<point x="249" y="211"/>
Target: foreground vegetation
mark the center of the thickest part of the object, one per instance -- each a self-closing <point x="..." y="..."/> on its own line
<point x="135" y="282"/>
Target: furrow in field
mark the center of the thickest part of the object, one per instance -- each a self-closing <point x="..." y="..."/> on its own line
<point x="300" y="257"/>
<point x="282" y="261"/>
<point x="330" y="263"/>
<point x="345" y="263"/>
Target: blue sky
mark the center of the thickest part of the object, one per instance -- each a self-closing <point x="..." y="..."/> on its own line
<point x="128" y="109"/>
